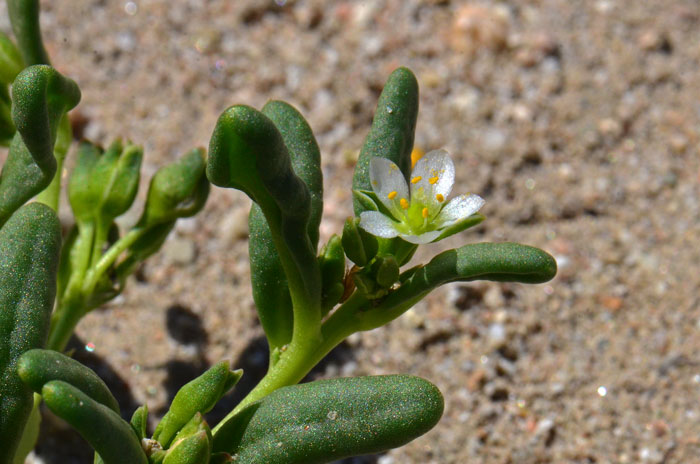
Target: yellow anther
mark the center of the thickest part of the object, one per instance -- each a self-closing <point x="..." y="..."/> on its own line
<point x="404" y="203"/>
<point x="416" y="179"/>
<point x="392" y="195"/>
<point x="425" y="212"/>
<point x="432" y="180"/>
<point x="439" y="197"/>
<point x="416" y="154"/>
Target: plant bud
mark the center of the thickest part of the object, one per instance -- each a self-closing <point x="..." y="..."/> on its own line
<point x="199" y="395"/>
<point x="103" y="185"/>
<point x="194" y="449"/>
<point x="332" y="265"/>
<point x="360" y="246"/>
<point x="386" y="271"/>
<point x="177" y="190"/>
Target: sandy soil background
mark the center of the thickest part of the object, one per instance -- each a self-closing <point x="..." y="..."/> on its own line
<point x="577" y="121"/>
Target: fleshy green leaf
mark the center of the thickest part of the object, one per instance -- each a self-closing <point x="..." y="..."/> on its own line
<point x="38" y="367"/>
<point x="248" y="152"/>
<point x="270" y="287"/>
<point x="40" y="96"/>
<point x="29" y="247"/>
<point x="392" y="132"/>
<point x="326" y="420"/>
<point x="111" y="437"/>
<point x="199" y="395"/>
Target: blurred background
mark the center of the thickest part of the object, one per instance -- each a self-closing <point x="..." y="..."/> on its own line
<point x="577" y="121"/>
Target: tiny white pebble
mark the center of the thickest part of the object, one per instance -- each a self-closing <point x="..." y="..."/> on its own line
<point x="602" y="391"/>
<point x="131" y="8"/>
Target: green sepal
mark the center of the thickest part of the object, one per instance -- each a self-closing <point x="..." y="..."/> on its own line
<point x="195" y="449"/>
<point x="24" y="17"/>
<point x="29" y="245"/>
<point x="139" y="422"/>
<point x="199" y="395"/>
<point x="247" y="152"/>
<point x="331" y="262"/>
<point x="37" y="367"/>
<point x="385" y="270"/>
<point x="177" y="190"/>
<point x="392" y="132"/>
<point x="360" y="246"/>
<point x="111" y="436"/>
<point x="322" y="421"/>
<point x="103" y="184"/>
<point x="195" y="425"/>
<point x="269" y="282"/>
<point x="40" y="96"/>
<point x="461" y="225"/>
<point x="11" y="62"/>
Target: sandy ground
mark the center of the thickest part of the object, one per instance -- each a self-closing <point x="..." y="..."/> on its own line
<point x="577" y="121"/>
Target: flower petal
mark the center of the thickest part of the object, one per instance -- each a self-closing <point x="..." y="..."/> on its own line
<point x="378" y="224"/>
<point x="458" y="208"/>
<point x="436" y="172"/>
<point x="389" y="184"/>
<point x="421" y="239"/>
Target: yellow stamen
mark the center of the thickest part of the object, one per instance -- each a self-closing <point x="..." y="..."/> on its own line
<point x="439" y="197"/>
<point x="425" y="212"/>
<point x="416" y="179"/>
<point x="416" y="154"/>
<point x="392" y="195"/>
<point x="432" y="180"/>
<point x="404" y="203"/>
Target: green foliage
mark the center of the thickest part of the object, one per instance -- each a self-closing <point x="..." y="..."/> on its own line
<point x="38" y="367"/>
<point x="392" y="132"/>
<point x="110" y="436"/>
<point x="322" y="421"/>
<point x="40" y="98"/>
<point x="29" y="245"/>
<point x="306" y="301"/>
<point x="198" y="396"/>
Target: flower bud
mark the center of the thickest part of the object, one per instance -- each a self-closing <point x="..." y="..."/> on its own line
<point x="360" y="246"/>
<point x="103" y="185"/>
<point x="177" y="190"/>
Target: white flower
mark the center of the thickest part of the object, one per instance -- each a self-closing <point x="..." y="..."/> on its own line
<point x="419" y="214"/>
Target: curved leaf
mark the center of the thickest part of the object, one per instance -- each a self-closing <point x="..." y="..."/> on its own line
<point x="111" y="436"/>
<point x="40" y="98"/>
<point x="24" y="16"/>
<point x="326" y="420"/>
<point x="38" y="367"/>
<point x="29" y="247"/>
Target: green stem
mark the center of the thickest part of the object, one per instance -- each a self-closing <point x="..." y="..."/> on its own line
<point x="303" y="354"/>
<point x="64" y="320"/>
<point x="51" y="194"/>
<point x="24" y="16"/>
<point x="110" y="256"/>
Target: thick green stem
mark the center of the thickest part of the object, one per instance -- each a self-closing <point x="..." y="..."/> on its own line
<point x="303" y="354"/>
<point x="64" y="320"/>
